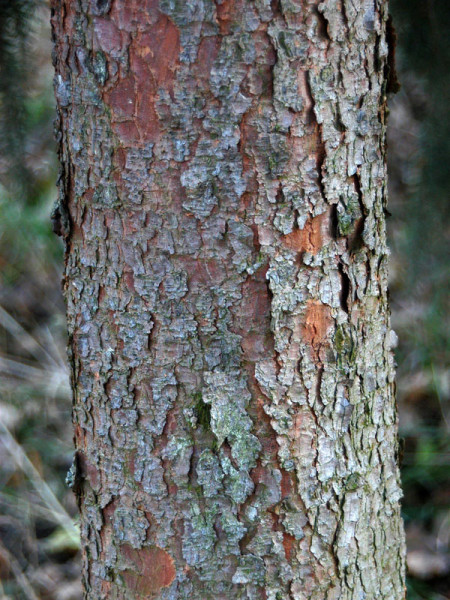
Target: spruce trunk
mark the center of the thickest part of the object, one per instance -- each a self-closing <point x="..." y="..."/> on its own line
<point x="222" y="201"/>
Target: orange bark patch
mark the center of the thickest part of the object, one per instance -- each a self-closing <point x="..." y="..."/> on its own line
<point x="207" y="54"/>
<point x="122" y="99"/>
<point x="80" y="437"/>
<point x="129" y="280"/>
<point x="254" y="317"/>
<point x="107" y="35"/>
<point x="317" y="324"/>
<point x="286" y="484"/>
<point x="135" y="15"/>
<point x="226" y="15"/>
<point x="288" y="544"/>
<point x="108" y="511"/>
<point x="309" y="239"/>
<point x="153" y="569"/>
<point x="158" y="52"/>
<point x="154" y="59"/>
<point x="257" y="474"/>
<point x="89" y="472"/>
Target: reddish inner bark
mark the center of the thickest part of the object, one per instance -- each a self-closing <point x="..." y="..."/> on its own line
<point x="152" y="570"/>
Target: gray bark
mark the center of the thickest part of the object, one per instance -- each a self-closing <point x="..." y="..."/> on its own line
<point x="223" y="189"/>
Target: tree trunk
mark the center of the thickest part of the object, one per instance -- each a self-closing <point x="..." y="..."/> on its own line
<point x="223" y="189"/>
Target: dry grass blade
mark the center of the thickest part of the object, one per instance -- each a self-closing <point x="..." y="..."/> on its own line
<point x="26" y="340"/>
<point x="52" y="379"/>
<point x="48" y="497"/>
<point x="19" y="575"/>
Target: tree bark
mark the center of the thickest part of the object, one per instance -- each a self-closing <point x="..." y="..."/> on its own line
<point x="222" y="199"/>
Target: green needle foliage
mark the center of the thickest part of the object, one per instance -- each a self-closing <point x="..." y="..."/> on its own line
<point x="422" y="28"/>
<point x="15" y="62"/>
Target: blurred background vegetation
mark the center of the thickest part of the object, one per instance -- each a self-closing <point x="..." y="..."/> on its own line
<point x="38" y="539"/>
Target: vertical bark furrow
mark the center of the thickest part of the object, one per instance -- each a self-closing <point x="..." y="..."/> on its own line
<point x="226" y="297"/>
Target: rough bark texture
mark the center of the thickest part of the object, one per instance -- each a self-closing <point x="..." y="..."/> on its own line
<point x="223" y="190"/>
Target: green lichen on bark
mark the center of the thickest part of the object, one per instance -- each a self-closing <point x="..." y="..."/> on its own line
<point x="224" y="177"/>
